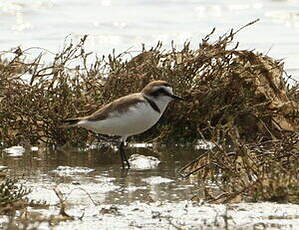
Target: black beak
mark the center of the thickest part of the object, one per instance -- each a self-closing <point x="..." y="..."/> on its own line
<point x="177" y="97"/>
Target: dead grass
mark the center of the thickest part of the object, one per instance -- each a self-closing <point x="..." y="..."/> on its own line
<point x="236" y="98"/>
<point x="248" y="172"/>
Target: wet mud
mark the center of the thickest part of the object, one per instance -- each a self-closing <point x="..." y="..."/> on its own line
<point x="97" y="192"/>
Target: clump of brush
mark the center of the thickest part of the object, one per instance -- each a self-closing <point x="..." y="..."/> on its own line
<point x="238" y="99"/>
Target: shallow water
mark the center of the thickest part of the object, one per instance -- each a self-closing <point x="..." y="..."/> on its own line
<point x="99" y="171"/>
<point x="126" y="24"/>
<point x="93" y="183"/>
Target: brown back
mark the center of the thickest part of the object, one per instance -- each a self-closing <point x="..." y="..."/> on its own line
<point x="120" y="105"/>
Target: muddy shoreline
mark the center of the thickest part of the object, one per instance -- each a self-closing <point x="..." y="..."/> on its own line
<point x="99" y="193"/>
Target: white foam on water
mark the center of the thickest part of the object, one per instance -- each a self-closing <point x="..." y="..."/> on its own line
<point x="143" y="162"/>
<point x="15" y="151"/>
<point x="203" y="144"/>
<point x="34" y="148"/>
<point x="188" y="215"/>
<point x="140" y="145"/>
<point x="68" y="171"/>
<point x="3" y="168"/>
<point x="157" y="180"/>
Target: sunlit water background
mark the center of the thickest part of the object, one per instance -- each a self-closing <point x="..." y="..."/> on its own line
<point x="126" y="24"/>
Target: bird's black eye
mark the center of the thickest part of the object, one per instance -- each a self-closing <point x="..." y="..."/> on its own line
<point x="159" y="92"/>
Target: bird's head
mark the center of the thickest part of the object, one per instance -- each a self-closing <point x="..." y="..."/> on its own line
<point x="160" y="91"/>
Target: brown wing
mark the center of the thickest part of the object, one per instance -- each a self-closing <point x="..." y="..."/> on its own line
<point x="120" y="105"/>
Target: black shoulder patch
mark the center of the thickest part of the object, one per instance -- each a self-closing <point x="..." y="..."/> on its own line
<point x="152" y="104"/>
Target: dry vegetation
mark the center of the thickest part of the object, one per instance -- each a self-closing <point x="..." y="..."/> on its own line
<point x="14" y="204"/>
<point x="237" y="99"/>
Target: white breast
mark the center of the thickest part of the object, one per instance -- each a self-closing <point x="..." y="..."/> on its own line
<point x="135" y="120"/>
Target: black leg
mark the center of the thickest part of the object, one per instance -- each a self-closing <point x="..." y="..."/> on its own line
<point x="123" y="155"/>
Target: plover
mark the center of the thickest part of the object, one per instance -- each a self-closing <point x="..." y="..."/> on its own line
<point x="129" y="115"/>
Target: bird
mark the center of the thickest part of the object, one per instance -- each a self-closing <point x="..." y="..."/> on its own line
<point x="128" y="115"/>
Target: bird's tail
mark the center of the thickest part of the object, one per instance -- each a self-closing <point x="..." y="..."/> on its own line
<point x="70" y="122"/>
